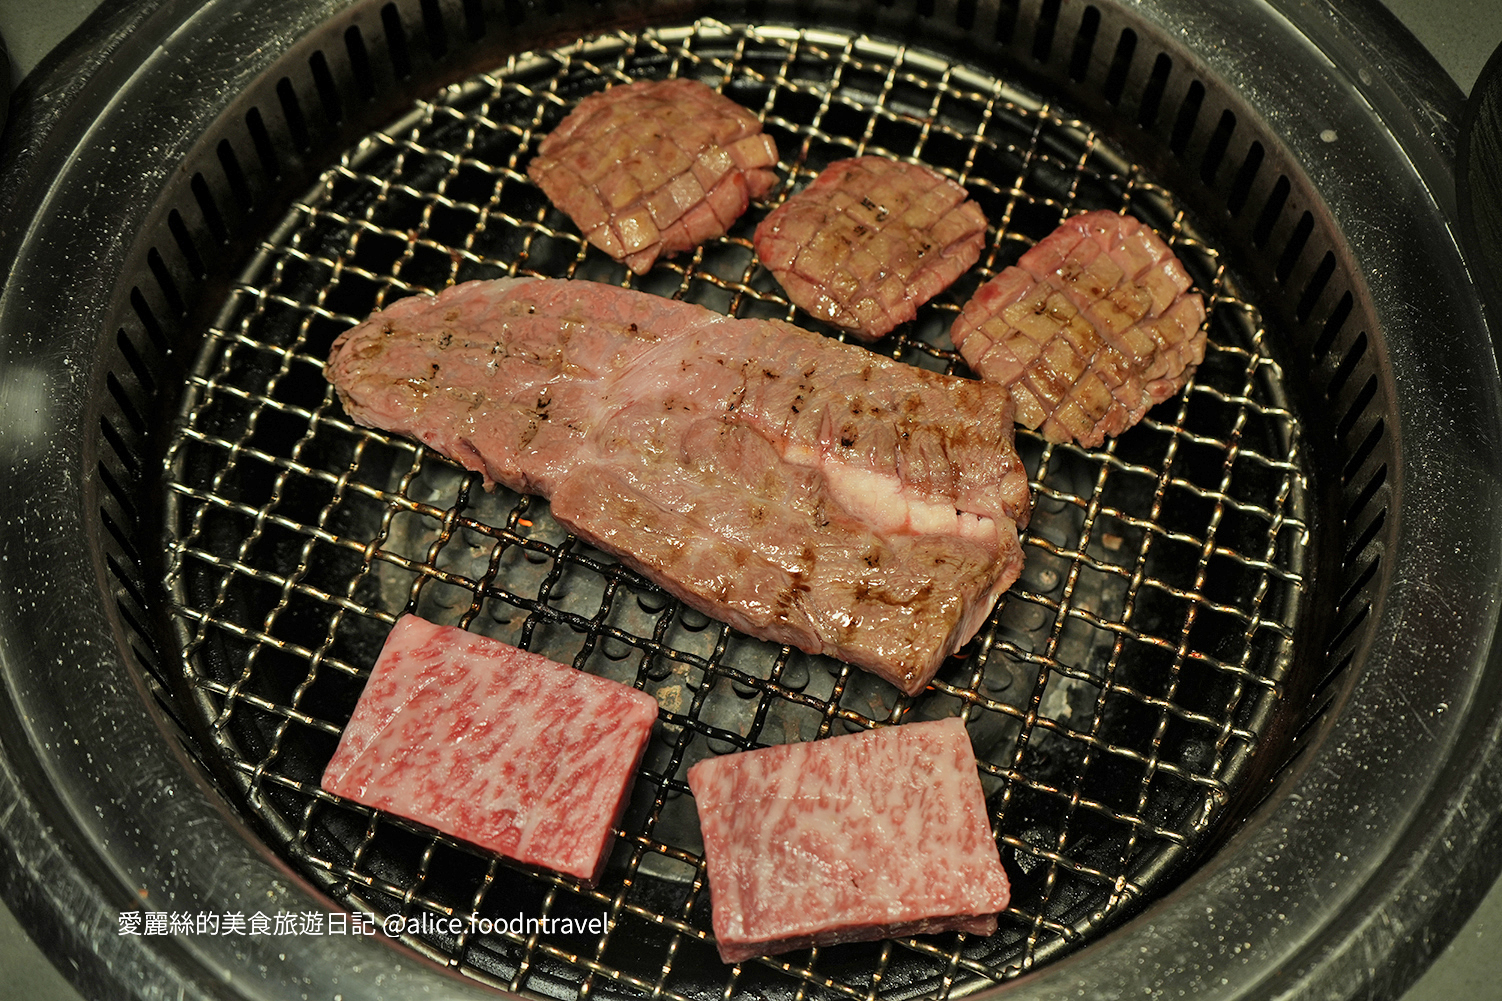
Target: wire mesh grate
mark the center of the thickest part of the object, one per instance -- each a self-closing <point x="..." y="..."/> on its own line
<point x="1114" y="698"/>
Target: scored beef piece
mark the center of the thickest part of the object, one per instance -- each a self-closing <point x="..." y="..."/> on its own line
<point x="871" y="240"/>
<point x="1090" y="329"/>
<point x="654" y="167"/>
<point x="804" y="491"/>
<point x="501" y="747"/>
<point x="873" y="835"/>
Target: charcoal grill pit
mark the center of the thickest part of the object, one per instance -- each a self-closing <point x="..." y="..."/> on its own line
<point x="1202" y="714"/>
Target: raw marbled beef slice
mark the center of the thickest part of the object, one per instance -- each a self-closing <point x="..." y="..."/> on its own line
<point x="498" y="746"/>
<point x="851" y="839"/>
<point x="654" y="167"/>
<point x="1090" y="329"/>
<point x="871" y="240"/>
<point x="805" y="491"/>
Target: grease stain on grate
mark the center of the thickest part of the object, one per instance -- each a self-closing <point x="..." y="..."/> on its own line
<point x="1115" y="697"/>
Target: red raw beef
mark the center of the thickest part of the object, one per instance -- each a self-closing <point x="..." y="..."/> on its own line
<point x="803" y="490"/>
<point x="654" y="167"/>
<point x="868" y="836"/>
<point x="498" y="746"/>
<point x="1089" y="330"/>
<point x="871" y="240"/>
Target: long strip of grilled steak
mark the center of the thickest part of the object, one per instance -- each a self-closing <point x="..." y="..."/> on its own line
<point x="654" y="167"/>
<point x="871" y="240"/>
<point x="805" y="491"/>
<point x="1093" y="326"/>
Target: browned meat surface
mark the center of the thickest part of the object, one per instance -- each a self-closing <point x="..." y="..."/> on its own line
<point x="871" y="240"/>
<point x="1090" y="329"/>
<point x="654" y="167"/>
<point x="803" y="490"/>
<point x="871" y="835"/>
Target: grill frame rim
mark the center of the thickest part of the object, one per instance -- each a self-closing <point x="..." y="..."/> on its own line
<point x="106" y="631"/>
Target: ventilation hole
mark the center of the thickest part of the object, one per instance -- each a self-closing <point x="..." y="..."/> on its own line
<point x="262" y="141"/>
<point x="1006" y="21"/>
<point x="148" y="321"/>
<point x="208" y="209"/>
<point x="1337" y="320"/>
<point x="184" y="241"/>
<point x="474" y="19"/>
<point x="1241" y="187"/>
<point x="1316" y="287"/>
<point x="116" y="443"/>
<point x="1295" y="247"/>
<point x="164" y="280"/>
<point x="239" y="188"/>
<point x="1343" y="636"/>
<point x="359" y="63"/>
<point x="145" y="652"/>
<point x="125" y="581"/>
<point x="1215" y="149"/>
<point x="131" y="623"/>
<point x="396" y="41"/>
<point x="432" y="26"/>
<point x="128" y="409"/>
<point x="1364" y="452"/>
<point x="1347" y="365"/>
<point x="1189" y="113"/>
<point x="297" y="125"/>
<point x="1121" y="65"/>
<point x="1152" y="95"/>
<point x="328" y="91"/>
<point x="120" y="538"/>
<point x="1349" y="597"/>
<point x="1084" y="44"/>
<point x="1366" y="537"/>
<point x="1340" y="666"/>
<point x="1048" y="21"/>
<point x="137" y="365"/>
<point x="1312" y="716"/>
<point x="964" y="14"/>
<point x="1357" y="408"/>
<point x="1271" y="211"/>
<point x="1367" y="493"/>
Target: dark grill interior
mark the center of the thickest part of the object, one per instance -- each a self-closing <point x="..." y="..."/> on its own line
<point x="1121" y="696"/>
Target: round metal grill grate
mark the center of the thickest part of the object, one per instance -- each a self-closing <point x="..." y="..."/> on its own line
<point x="1115" y="697"/>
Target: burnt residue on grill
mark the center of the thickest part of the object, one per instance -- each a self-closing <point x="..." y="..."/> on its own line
<point x="1116" y="699"/>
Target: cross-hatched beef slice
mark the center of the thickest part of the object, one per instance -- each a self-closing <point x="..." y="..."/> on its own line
<point x="654" y="167"/>
<point x="871" y="240"/>
<point x="867" y="836"/>
<point x="1092" y="327"/>
<point x="803" y="490"/>
<point x="499" y="746"/>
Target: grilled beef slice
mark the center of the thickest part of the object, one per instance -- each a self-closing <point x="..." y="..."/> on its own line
<point x="805" y="491"/>
<point x="1090" y="329"/>
<point x="654" y="167"/>
<point x="871" y="240"/>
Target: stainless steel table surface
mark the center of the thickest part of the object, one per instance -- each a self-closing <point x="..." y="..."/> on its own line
<point x="1460" y="33"/>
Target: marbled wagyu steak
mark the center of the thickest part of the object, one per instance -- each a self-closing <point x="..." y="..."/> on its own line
<point x="654" y="167"/>
<point x="871" y="835"/>
<point x="498" y="746"/>
<point x="805" y="491"/>
<point x="1090" y="329"/>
